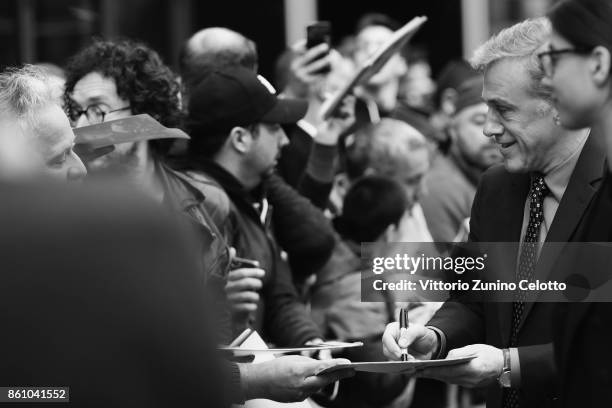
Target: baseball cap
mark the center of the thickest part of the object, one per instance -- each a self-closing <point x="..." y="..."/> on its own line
<point x="237" y="97"/>
<point x="469" y="93"/>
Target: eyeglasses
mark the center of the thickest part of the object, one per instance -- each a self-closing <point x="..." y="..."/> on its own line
<point x="94" y="113"/>
<point x="548" y="59"/>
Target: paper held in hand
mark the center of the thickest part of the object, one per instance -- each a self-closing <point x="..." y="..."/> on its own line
<point x="373" y="64"/>
<point x="398" y="366"/>
<point x="129" y="129"/>
<point x="328" y="345"/>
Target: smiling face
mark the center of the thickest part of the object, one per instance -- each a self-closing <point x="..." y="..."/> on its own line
<point x="521" y="123"/>
<point x="576" y="96"/>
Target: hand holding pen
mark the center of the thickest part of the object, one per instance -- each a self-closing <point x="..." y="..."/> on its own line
<point x="403" y="321"/>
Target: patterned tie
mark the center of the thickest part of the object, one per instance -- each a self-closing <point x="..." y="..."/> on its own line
<point x="527" y="262"/>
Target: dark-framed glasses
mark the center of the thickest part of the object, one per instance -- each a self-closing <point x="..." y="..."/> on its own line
<point x="548" y="59"/>
<point x="94" y="113"/>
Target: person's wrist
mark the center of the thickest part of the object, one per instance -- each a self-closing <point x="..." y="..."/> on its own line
<point x="504" y="377"/>
<point x="244" y="380"/>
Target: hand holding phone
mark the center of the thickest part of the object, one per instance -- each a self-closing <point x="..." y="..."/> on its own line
<point x="316" y="34"/>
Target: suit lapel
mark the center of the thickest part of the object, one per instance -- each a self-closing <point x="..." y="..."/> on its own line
<point x="583" y="184"/>
<point x="511" y="221"/>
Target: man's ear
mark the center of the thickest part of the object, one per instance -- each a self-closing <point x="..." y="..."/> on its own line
<point x="390" y="234"/>
<point x="448" y="100"/>
<point x="240" y="139"/>
<point x="600" y="66"/>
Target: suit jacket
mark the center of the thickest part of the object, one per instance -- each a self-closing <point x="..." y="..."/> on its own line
<point x="497" y="216"/>
<point x="582" y="331"/>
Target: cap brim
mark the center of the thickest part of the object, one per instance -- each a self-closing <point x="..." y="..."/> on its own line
<point x="286" y="111"/>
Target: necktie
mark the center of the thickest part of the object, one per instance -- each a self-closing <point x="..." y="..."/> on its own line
<point x="526" y="267"/>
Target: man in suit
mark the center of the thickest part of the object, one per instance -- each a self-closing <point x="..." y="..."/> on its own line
<point x="541" y="194"/>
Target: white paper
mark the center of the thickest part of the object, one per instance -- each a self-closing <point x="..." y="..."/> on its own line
<point x="397" y="366"/>
<point x="245" y="349"/>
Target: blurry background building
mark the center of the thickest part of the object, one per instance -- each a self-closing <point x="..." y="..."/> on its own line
<point x="52" y="30"/>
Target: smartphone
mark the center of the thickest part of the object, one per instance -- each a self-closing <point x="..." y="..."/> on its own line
<point x="318" y="33"/>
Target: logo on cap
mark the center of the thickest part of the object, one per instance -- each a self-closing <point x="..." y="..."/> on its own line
<point x="267" y="84"/>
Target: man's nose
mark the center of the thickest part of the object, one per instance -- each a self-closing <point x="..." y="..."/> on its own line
<point x="492" y="126"/>
<point x="283" y="139"/>
<point x="76" y="169"/>
<point x="545" y="81"/>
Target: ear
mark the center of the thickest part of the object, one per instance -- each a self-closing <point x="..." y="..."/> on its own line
<point x="389" y="234"/>
<point x="448" y="101"/>
<point x="240" y="139"/>
<point x="341" y="185"/>
<point x="600" y="67"/>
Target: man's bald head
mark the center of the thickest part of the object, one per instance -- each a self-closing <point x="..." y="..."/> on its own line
<point x="215" y="48"/>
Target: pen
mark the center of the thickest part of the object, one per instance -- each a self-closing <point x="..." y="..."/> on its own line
<point x="403" y="321"/>
<point x="238" y="262"/>
<point x="241" y="337"/>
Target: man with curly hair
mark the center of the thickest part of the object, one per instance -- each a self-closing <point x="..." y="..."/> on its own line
<point x="110" y="80"/>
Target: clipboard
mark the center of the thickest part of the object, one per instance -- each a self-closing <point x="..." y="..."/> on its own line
<point x="398" y="367"/>
<point x="373" y="64"/>
<point x="241" y="351"/>
<point x="129" y="129"/>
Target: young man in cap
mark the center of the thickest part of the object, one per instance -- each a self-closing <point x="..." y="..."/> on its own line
<point x="235" y="123"/>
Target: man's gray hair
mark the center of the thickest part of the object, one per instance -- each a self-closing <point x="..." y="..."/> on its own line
<point x="522" y="41"/>
<point x="23" y="91"/>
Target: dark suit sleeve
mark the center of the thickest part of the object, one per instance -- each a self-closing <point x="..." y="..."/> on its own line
<point x="300" y="228"/>
<point x="463" y="322"/>
<point x="538" y="370"/>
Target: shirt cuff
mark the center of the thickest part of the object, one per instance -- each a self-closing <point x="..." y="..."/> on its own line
<point x="515" y="368"/>
<point x="441" y="351"/>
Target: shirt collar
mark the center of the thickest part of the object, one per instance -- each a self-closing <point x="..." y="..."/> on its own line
<point x="558" y="179"/>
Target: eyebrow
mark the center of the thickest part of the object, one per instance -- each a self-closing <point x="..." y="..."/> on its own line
<point x="92" y="100"/>
<point x="497" y="102"/>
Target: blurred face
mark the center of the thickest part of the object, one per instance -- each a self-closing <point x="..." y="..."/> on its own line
<point x="98" y="95"/>
<point x="520" y="123"/>
<point x="265" y="150"/>
<point x="369" y="40"/>
<point x="418" y="85"/>
<point x="575" y="96"/>
<point x="409" y="171"/>
<point x="52" y="141"/>
<point x="466" y="129"/>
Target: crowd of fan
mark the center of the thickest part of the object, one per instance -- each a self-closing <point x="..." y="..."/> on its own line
<point x="277" y="199"/>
